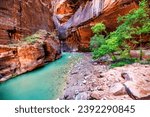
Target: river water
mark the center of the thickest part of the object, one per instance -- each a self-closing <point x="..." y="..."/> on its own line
<point x="45" y="83"/>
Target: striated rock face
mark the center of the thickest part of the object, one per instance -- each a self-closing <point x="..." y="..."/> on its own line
<point x="19" y="18"/>
<point x="79" y="20"/>
<point x="25" y="56"/>
<point x="30" y="56"/>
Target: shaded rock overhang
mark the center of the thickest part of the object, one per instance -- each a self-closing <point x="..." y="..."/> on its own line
<point x="82" y="12"/>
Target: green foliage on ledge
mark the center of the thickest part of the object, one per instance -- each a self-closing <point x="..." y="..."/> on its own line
<point x="135" y="23"/>
<point x="31" y="39"/>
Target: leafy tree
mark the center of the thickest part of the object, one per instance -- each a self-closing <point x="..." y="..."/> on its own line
<point x="98" y="39"/>
<point x="137" y="22"/>
<point x="98" y="28"/>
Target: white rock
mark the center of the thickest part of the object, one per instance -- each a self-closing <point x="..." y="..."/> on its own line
<point x="84" y="81"/>
<point x="76" y="92"/>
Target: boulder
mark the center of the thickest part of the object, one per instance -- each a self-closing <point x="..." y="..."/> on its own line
<point x="138" y="90"/>
<point x="137" y="83"/>
<point x="30" y="56"/>
<point x="117" y="89"/>
<point x="52" y="49"/>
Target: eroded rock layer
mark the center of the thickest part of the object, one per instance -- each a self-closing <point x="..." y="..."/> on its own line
<point x="75" y="20"/>
<point x="19" y="18"/>
<point x="25" y="56"/>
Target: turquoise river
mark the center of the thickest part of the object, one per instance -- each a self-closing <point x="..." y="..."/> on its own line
<point x="45" y="83"/>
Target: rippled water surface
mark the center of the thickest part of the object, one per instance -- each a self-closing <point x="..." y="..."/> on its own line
<point x="41" y="84"/>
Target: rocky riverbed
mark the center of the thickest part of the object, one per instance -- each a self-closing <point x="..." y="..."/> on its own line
<point x="90" y="80"/>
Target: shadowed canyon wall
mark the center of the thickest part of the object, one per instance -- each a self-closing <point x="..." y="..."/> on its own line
<point x="19" y="52"/>
<point x="19" y="18"/>
<point x="74" y="20"/>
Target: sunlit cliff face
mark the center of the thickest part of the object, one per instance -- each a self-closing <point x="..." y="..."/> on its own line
<point x="64" y="12"/>
<point x="71" y="13"/>
<point x="78" y="16"/>
<point x="67" y="8"/>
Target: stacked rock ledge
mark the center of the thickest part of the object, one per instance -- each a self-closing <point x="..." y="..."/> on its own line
<point x="29" y="54"/>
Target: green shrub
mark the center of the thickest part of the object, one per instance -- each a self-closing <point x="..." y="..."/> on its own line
<point x="137" y="22"/>
<point x="123" y="62"/>
<point x="98" y="28"/>
<point x="32" y="38"/>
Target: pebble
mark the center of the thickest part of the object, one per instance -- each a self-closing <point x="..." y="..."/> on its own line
<point x="74" y="72"/>
<point x="100" y="71"/>
<point x="95" y="95"/>
<point x="81" y="84"/>
<point x="84" y="81"/>
<point x="86" y="77"/>
<point x="82" y="96"/>
<point x="104" y="98"/>
<point x="75" y="84"/>
<point x="85" y="74"/>
<point x="93" y="81"/>
<point x="95" y="63"/>
<point x="100" y="76"/>
<point x="98" y="88"/>
<point x="79" y="68"/>
<point x="76" y="92"/>
<point x="91" y="89"/>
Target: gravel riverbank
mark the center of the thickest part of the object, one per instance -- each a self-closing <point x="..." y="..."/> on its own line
<point x="90" y="80"/>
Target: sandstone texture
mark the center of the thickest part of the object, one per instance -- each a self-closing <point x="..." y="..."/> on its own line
<point x="19" y="18"/>
<point x="27" y="55"/>
<point x="108" y="17"/>
<point x="76" y="19"/>
<point x="137" y="53"/>
<point x="90" y="80"/>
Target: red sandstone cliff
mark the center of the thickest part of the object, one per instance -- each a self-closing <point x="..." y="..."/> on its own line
<point x="19" y="18"/>
<point x="28" y="55"/>
<point x="74" y="20"/>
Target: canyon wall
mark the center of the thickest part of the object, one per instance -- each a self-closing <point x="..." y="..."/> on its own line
<point x="19" y="18"/>
<point x="72" y="18"/>
<point x="78" y="18"/>
<point x="108" y="17"/>
<point x="29" y="54"/>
